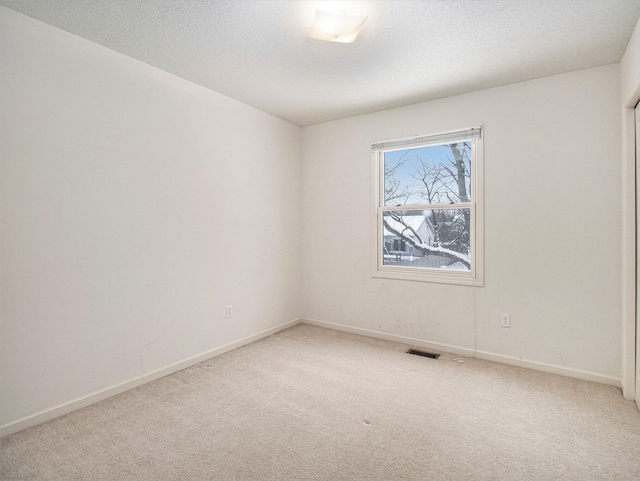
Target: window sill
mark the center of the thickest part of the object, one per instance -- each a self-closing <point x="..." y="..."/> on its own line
<point x="448" y="277"/>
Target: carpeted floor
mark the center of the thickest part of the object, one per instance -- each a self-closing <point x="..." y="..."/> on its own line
<point x="315" y="404"/>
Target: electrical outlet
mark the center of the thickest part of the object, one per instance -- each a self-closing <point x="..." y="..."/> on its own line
<point x="229" y="312"/>
<point x="505" y="320"/>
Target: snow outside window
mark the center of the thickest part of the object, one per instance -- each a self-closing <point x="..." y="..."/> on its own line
<point x="428" y="208"/>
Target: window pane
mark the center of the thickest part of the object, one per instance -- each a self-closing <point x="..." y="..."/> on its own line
<point x="439" y="174"/>
<point x="436" y="239"/>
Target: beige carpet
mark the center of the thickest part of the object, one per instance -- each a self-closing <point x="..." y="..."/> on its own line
<point x="315" y="404"/>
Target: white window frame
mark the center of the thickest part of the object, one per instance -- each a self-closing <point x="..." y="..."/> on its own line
<point x="474" y="277"/>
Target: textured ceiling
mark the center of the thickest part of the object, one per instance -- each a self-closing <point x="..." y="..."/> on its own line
<point x="408" y="51"/>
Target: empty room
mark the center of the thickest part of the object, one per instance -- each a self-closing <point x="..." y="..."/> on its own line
<point x="319" y="240"/>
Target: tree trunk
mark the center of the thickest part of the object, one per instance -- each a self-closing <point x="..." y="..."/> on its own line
<point x="462" y="182"/>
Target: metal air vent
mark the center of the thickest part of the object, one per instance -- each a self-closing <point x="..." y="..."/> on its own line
<point x="423" y="353"/>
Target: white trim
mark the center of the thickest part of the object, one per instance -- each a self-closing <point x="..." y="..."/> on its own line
<point x="550" y="368"/>
<point x="628" y="247"/>
<point x="102" y="394"/>
<point x="437" y="346"/>
<point x="429" y="140"/>
<point x="402" y="208"/>
<point x="474" y="277"/>
<point x="630" y="327"/>
<point x="635" y="97"/>
<point x="443" y="276"/>
<point x="97" y="396"/>
<point x="487" y="356"/>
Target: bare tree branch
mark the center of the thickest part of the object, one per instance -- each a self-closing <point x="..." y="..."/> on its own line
<point x="455" y="256"/>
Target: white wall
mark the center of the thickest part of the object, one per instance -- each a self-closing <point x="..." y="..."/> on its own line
<point x="630" y="68"/>
<point x="135" y="205"/>
<point x="552" y="225"/>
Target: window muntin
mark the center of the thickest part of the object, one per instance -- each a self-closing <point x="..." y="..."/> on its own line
<point x="428" y="208"/>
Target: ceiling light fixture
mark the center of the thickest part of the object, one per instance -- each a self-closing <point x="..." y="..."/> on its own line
<point x="336" y="27"/>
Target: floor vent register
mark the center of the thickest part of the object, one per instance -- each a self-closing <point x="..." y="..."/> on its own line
<point x="423" y="353"/>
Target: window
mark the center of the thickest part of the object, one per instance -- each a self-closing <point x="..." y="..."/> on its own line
<point x="428" y="208"/>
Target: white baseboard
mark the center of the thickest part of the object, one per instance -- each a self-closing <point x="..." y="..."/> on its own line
<point x="550" y="368"/>
<point x="97" y="396"/>
<point x="488" y="356"/>
<point x="102" y="394"/>
<point x="391" y="337"/>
